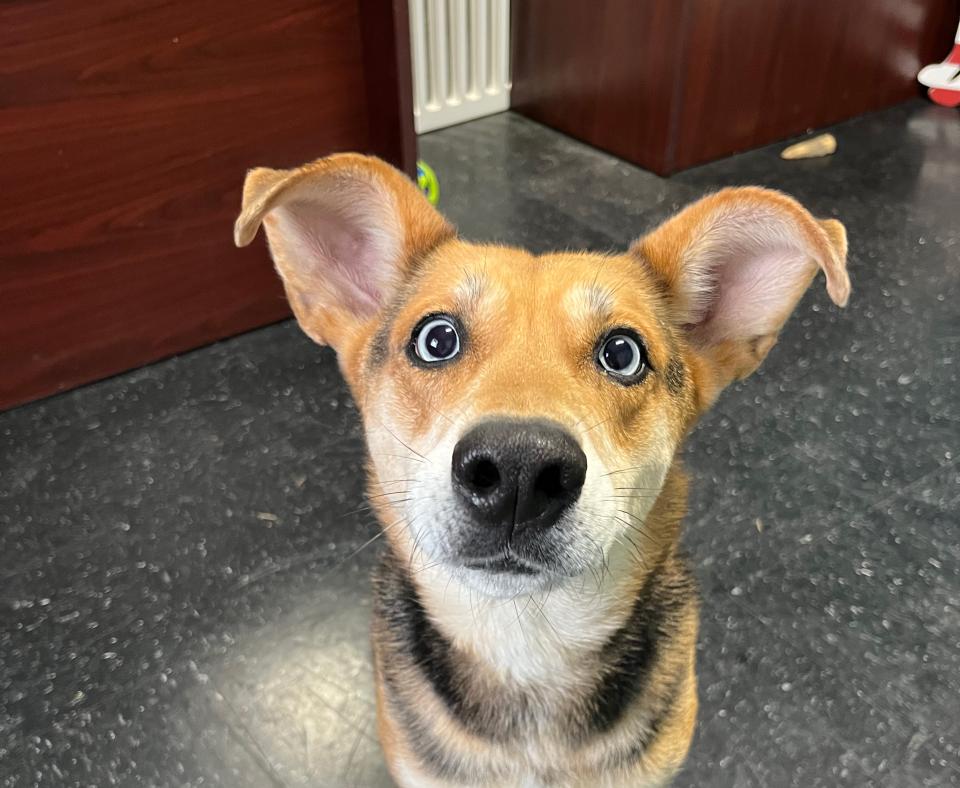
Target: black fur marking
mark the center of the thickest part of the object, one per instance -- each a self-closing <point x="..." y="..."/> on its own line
<point x="430" y="753"/>
<point x="413" y="630"/>
<point x="638" y="748"/>
<point x="631" y="653"/>
<point x="413" y="635"/>
<point x="410" y="634"/>
<point x="674" y="375"/>
<point x="380" y="346"/>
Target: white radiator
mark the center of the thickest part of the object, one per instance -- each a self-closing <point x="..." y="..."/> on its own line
<point x="461" y="60"/>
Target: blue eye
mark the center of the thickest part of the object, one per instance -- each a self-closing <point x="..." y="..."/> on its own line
<point x="622" y="356"/>
<point x="436" y="339"/>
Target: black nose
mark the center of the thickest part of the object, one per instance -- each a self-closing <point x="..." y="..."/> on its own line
<point x="515" y="473"/>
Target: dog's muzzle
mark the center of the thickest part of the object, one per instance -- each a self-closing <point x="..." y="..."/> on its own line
<point x="515" y="479"/>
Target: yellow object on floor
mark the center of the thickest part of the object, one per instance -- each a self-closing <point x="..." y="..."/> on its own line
<point x="428" y="183"/>
<point x="813" y="148"/>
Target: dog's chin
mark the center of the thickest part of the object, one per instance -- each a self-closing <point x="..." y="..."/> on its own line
<point x="502" y="582"/>
<point x="508" y="574"/>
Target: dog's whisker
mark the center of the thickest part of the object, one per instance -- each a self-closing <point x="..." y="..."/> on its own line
<point x="473" y="611"/>
<point x="511" y="599"/>
<point x="442" y="415"/>
<point x="399" y="440"/>
<point x="403" y="457"/>
<point x="636" y="548"/>
<point x="353" y="554"/>
<point x="391" y="496"/>
<point x="364" y="508"/>
<point x="426" y="567"/>
<point x="395" y="506"/>
<point x="624" y="470"/>
<point x="546" y="599"/>
<point x="416" y="542"/>
<point x="387" y="494"/>
<point x="546" y="619"/>
<point x="596" y="577"/>
<point x="598" y="424"/>
<point x="604" y="566"/>
<point x="629" y="549"/>
<point x="623" y="506"/>
<point x="529" y="600"/>
<point x="639" y="521"/>
<point x="516" y="609"/>
<point x="381" y="482"/>
<point x="634" y="524"/>
<point x="447" y="586"/>
<point x="579" y="422"/>
<point x="638" y="526"/>
<point x="451" y="422"/>
<point x="631" y="526"/>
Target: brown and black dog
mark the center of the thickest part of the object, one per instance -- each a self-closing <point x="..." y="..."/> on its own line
<point x="535" y="621"/>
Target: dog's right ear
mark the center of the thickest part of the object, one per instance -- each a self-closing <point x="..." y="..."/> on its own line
<point x="343" y="231"/>
<point x="734" y="265"/>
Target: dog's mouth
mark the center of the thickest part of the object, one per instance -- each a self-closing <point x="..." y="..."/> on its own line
<point x="504" y="563"/>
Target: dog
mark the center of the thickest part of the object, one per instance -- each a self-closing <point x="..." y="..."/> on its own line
<point x="535" y="619"/>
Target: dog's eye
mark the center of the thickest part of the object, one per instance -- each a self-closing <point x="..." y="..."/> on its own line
<point x="621" y="355"/>
<point x="436" y="339"/>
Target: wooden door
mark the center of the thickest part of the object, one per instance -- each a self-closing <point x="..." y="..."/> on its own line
<point x="126" y="127"/>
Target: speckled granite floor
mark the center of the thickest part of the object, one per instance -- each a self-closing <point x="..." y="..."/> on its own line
<point x="183" y="577"/>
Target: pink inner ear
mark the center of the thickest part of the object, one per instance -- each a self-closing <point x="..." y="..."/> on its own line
<point x="744" y="276"/>
<point x="334" y="251"/>
<point x="753" y="292"/>
<point x="341" y="255"/>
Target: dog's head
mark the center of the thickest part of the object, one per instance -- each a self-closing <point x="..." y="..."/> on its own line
<point x="522" y="411"/>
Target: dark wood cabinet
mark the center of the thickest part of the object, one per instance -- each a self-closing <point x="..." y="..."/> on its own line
<point x="672" y="83"/>
<point x="126" y="127"/>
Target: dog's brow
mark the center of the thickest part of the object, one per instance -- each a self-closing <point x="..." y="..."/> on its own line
<point x="589" y="301"/>
<point x="380" y="345"/>
<point x="470" y="291"/>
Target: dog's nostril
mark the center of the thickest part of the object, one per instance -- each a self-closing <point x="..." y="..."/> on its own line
<point x="550" y="482"/>
<point x="518" y="473"/>
<point x="484" y="475"/>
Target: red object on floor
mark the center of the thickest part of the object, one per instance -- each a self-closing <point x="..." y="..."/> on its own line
<point x="943" y="79"/>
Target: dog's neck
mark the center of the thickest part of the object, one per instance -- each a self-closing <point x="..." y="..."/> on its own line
<point x="540" y="637"/>
<point x="530" y="637"/>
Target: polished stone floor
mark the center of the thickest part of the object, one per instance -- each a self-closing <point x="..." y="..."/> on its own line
<point x="184" y="557"/>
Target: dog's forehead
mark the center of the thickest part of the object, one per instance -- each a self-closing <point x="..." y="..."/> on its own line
<point x="578" y="285"/>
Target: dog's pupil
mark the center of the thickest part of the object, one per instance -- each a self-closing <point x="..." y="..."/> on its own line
<point x="618" y="353"/>
<point x="442" y="340"/>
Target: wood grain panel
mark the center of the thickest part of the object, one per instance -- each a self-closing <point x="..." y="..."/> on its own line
<point x="601" y="72"/>
<point x="672" y="83"/>
<point x="385" y="31"/>
<point x="126" y="127"/>
<point x="757" y="72"/>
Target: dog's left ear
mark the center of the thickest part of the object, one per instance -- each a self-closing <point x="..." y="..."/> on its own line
<point x="734" y="265"/>
<point x="344" y="231"/>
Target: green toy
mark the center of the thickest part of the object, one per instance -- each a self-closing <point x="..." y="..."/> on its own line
<point x="428" y="183"/>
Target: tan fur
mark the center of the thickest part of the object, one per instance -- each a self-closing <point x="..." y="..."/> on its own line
<point x="530" y="350"/>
